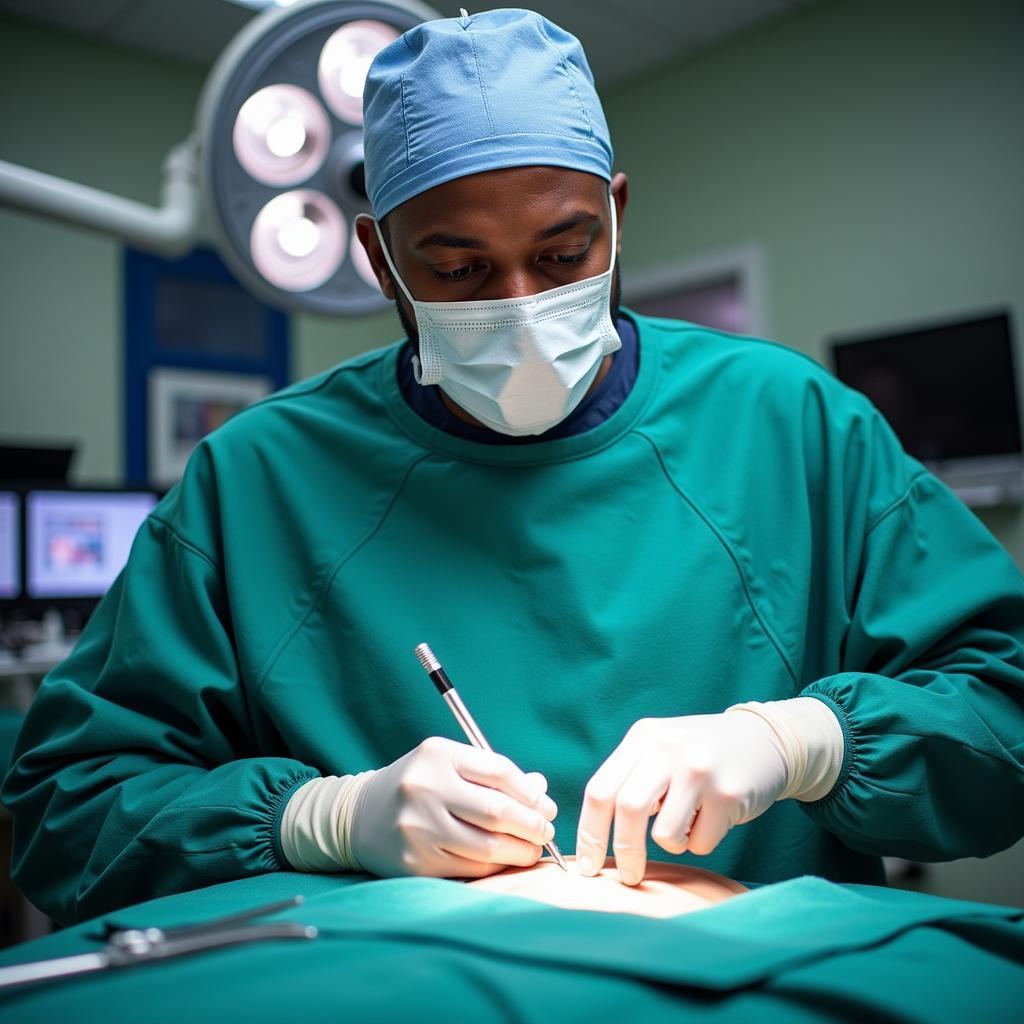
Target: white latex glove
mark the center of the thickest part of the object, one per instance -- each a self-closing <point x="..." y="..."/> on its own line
<point x="449" y="810"/>
<point x="703" y="774"/>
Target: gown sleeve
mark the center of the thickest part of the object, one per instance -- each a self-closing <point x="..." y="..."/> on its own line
<point x="136" y="772"/>
<point x="931" y="695"/>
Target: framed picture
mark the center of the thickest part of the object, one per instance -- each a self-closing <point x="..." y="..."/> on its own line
<point x="185" y="405"/>
<point x="198" y="347"/>
<point x="722" y="290"/>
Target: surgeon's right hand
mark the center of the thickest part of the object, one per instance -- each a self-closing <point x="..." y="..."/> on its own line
<point x="450" y="810"/>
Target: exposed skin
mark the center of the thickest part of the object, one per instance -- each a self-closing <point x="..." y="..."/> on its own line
<point x="478" y="237"/>
<point x="666" y="891"/>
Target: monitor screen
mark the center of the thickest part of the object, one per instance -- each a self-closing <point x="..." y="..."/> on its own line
<point x="78" y="541"/>
<point x="10" y="545"/>
<point x="948" y="391"/>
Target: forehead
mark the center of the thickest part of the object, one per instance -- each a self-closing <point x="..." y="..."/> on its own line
<point x="501" y="201"/>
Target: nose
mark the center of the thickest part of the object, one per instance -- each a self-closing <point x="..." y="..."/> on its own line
<point x="517" y="283"/>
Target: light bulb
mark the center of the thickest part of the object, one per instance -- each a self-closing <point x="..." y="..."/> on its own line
<point x="286" y="136"/>
<point x="299" y="237"/>
<point x="298" y="240"/>
<point x="344" y="62"/>
<point x="281" y="135"/>
<point x="352" y="76"/>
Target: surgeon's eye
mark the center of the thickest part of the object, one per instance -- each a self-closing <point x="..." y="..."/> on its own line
<point x="458" y="274"/>
<point x="572" y="259"/>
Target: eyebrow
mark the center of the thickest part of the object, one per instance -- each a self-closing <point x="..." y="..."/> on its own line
<point x="444" y="240"/>
<point x="572" y="221"/>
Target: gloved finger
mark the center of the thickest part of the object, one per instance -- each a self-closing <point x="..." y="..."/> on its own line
<point x="494" y="811"/>
<point x="671" y="827"/>
<point x="599" y="808"/>
<point x="478" y="844"/>
<point x="637" y="798"/>
<point x="549" y="810"/>
<point x="487" y="768"/>
<point x="452" y="866"/>
<point x="713" y="821"/>
<point x="538" y="781"/>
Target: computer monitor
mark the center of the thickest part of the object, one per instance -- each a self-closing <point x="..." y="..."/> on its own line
<point x="10" y="545"/>
<point x="76" y="542"/>
<point x="949" y="391"/>
<point x="36" y="464"/>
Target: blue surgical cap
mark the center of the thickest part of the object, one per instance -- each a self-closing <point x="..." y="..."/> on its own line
<point x="456" y="96"/>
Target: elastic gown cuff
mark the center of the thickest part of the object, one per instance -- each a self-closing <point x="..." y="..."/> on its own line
<point x="278" y="803"/>
<point x="849" y="743"/>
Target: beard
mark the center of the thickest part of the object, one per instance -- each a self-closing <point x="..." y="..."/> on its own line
<point x="409" y="326"/>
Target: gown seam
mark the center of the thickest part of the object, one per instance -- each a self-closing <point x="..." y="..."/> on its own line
<point x="316" y="384"/>
<point x="282" y="644"/>
<point x="184" y="542"/>
<point x="712" y="526"/>
<point x="895" y="505"/>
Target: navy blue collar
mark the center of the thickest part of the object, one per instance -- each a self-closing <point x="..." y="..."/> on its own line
<point x="593" y="410"/>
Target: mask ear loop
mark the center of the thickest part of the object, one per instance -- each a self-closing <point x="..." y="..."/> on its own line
<point x="612" y="341"/>
<point x="613" y="213"/>
<point x="429" y="370"/>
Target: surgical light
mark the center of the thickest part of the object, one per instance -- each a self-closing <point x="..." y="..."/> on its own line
<point x="286" y="136"/>
<point x="278" y="148"/>
<point x="281" y="143"/>
<point x="299" y="237"/>
<point x="281" y="135"/>
<point x="298" y="240"/>
<point x="344" y="62"/>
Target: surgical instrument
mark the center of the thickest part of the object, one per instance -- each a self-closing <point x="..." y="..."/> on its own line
<point x="132" y="947"/>
<point x="451" y="697"/>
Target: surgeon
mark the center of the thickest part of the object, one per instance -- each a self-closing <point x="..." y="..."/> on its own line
<point x="692" y="588"/>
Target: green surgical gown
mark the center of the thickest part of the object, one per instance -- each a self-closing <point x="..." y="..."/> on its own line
<point x="742" y="527"/>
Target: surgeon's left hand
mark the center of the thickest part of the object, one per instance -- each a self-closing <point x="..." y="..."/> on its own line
<point x="703" y="774"/>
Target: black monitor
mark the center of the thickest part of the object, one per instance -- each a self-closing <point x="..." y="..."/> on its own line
<point x="37" y="464"/>
<point x="949" y="390"/>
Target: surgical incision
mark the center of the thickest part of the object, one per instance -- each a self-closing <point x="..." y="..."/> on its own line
<point x="666" y="890"/>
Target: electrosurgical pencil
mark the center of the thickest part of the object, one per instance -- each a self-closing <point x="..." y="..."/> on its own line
<point x="465" y="719"/>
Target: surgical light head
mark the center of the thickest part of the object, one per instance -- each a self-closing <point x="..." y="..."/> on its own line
<point x="280" y="125"/>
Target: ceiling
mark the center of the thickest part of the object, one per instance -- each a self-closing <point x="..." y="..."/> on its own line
<point x="622" y="38"/>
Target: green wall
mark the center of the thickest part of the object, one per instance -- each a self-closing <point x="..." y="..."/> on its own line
<point x="872" y="149"/>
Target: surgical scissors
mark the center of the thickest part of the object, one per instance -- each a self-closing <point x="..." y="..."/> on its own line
<point x="131" y="947"/>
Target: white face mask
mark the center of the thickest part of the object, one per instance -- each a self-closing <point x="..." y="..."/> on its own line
<point x="518" y="365"/>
